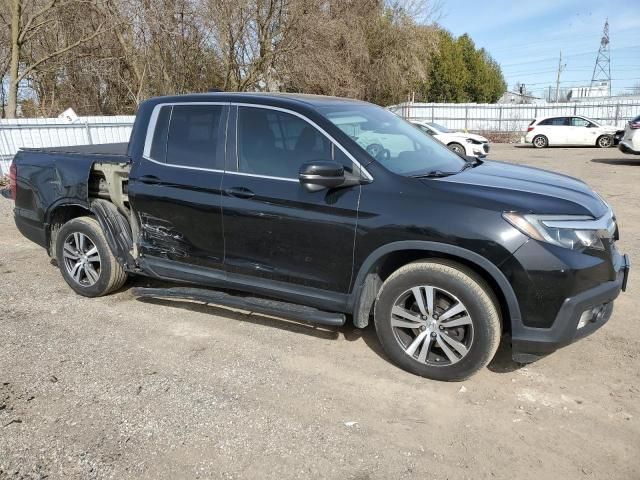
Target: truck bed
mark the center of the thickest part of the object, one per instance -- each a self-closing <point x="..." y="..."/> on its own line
<point x="110" y="149"/>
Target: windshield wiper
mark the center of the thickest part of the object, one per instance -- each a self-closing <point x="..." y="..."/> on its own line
<point x="434" y="174"/>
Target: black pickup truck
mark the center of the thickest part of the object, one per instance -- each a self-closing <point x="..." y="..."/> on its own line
<point x="321" y="209"/>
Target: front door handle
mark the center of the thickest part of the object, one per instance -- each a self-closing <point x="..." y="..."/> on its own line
<point x="240" y="192"/>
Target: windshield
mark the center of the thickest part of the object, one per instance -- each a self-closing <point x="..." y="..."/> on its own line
<point x="392" y="141"/>
<point x="440" y="128"/>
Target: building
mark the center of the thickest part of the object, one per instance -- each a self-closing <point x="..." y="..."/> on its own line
<point x="597" y="91"/>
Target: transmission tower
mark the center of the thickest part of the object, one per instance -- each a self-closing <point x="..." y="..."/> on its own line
<point x="602" y="68"/>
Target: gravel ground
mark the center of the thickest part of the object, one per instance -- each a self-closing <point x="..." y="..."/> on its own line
<point x="122" y="388"/>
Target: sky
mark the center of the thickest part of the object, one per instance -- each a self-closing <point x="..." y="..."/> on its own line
<point x="525" y="37"/>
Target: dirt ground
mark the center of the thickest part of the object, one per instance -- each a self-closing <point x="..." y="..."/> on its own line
<point x="121" y="388"/>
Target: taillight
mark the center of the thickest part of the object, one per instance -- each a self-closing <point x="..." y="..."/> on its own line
<point x="13" y="186"/>
<point x="634" y="124"/>
<point x="530" y="129"/>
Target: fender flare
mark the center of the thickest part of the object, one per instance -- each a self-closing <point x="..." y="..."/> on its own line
<point x="362" y="301"/>
<point x="117" y="231"/>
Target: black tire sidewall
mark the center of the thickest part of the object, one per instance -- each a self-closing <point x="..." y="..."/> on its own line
<point x="546" y="141"/>
<point x="91" y="229"/>
<point x="483" y="329"/>
<point x="604" y="136"/>
<point x="455" y="145"/>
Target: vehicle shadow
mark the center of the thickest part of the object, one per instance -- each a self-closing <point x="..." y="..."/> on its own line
<point x="319" y="331"/>
<point x="501" y="363"/>
<point x="631" y="162"/>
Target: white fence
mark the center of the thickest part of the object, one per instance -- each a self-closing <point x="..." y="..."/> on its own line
<point x="515" y="118"/>
<point x="54" y="132"/>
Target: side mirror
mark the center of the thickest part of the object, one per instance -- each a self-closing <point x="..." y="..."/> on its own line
<point x="318" y="175"/>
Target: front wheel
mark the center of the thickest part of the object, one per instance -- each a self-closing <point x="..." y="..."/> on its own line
<point x="85" y="260"/>
<point x="437" y="319"/>
<point x="605" y="141"/>
<point x="457" y="148"/>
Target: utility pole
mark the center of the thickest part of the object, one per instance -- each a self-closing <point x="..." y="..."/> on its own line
<point x="602" y="68"/>
<point x="561" y="67"/>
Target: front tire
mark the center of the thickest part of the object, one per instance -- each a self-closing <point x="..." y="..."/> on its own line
<point x="457" y="148"/>
<point x="437" y="319"/>
<point x="85" y="259"/>
<point x="540" y="141"/>
<point x="604" y="141"/>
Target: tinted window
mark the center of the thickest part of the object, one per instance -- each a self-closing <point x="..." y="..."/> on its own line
<point x="558" y="121"/>
<point x="277" y="144"/>
<point x="426" y="130"/>
<point x="193" y="138"/>
<point x="159" y="143"/>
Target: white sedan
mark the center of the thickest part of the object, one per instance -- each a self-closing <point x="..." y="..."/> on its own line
<point x="630" y="143"/>
<point x="571" y="130"/>
<point x="462" y="143"/>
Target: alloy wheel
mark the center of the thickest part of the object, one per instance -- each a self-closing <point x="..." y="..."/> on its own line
<point x="604" y="142"/>
<point x="432" y="326"/>
<point x="81" y="259"/>
<point x="539" y="142"/>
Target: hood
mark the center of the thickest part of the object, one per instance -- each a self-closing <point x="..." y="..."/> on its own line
<point x="473" y="136"/>
<point x="524" y="189"/>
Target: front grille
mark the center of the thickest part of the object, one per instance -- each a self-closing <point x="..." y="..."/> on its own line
<point x="485" y="147"/>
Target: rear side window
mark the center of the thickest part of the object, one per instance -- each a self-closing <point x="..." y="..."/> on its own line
<point x="194" y="136"/>
<point x="557" y="121"/>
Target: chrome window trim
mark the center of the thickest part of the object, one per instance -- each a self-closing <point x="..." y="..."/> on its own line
<point x="153" y="119"/>
<point x="151" y="128"/>
<point x="186" y="167"/>
<point x="363" y="171"/>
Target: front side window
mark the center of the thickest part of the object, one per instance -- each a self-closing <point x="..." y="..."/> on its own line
<point x="392" y="141"/>
<point x="579" y="122"/>
<point x="277" y="144"/>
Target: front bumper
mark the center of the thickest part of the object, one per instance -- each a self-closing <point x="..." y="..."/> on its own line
<point x="529" y="343"/>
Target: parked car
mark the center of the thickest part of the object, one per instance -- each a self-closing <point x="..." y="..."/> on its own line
<point x="569" y="131"/>
<point x="462" y="143"/>
<point x="630" y="142"/>
<point x="310" y="207"/>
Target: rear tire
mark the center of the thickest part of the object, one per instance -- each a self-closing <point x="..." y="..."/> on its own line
<point x="448" y="334"/>
<point x="85" y="259"/>
<point x="604" y="141"/>
<point x="540" y="141"/>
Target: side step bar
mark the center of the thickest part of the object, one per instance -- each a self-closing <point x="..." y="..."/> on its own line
<point x="264" y="306"/>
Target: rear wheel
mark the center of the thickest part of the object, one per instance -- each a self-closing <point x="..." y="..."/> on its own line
<point x="438" y="320"/>
<point x="540" y="141"/>
<point x="457" y="148"/>
<point x="85" y="260"/>
<point x="604" y="141"/>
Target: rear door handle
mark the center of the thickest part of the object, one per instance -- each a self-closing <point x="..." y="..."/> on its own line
<point x="240" y="192"/>
<point x="150" y="179"/>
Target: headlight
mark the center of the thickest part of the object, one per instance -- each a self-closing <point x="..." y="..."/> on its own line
<point x="471" y="140"/>
<point x="576" y="232"/>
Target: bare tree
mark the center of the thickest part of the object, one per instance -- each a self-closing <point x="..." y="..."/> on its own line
<point x="28" y="21"/>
